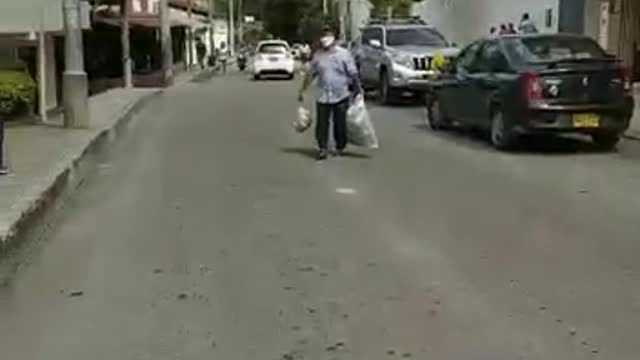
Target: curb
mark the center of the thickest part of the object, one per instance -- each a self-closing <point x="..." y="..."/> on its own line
<point x="65" y="180"/>
<point x="632" y="135"/>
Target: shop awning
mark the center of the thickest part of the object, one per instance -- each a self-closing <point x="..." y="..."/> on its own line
<point x="177" y="18"/>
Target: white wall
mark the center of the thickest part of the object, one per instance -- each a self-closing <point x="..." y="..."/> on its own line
<point x="463" y="21"/>
<point x="25" y="15"/>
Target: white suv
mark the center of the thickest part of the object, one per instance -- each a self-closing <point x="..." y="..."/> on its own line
<point x="273" y="57"/>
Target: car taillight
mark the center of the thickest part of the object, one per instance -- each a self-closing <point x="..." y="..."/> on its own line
<point x="259" y="57"/>
<point x="533" y="90"/>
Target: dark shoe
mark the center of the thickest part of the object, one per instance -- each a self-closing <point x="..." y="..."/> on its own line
<point x="322" y="155"/>
<point x="339" y="152"/>
<point x="4" y="171"/>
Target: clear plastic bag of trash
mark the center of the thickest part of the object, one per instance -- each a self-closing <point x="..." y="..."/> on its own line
<point x="360" y="131"/>
<point x="303" y="120"/>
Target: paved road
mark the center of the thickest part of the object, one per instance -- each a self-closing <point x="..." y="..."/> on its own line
<point x="209" y="233"/>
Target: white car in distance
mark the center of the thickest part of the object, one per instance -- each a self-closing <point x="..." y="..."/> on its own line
<point x="273" y="57"/>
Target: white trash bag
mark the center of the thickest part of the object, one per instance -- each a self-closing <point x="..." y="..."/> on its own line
<point x="303" y="120"/>
<point x="360" y="131"/>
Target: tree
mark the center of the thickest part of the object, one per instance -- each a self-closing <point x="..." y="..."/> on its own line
<point x="398" y="7"/>
<point x="297" y="19"/>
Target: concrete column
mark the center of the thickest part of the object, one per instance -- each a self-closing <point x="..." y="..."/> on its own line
<point x="166" y="43"/>
<point x="75" y="85"/>
<point x="190" y="57"/>
<point x="42" y="74"/>
<point x="240" y="21"/>
<point x="126" y="43"/>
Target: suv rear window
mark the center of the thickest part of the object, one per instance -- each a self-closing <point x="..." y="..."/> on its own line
<point x="417" y="36"/>
<point x="553" y="48"/>
<point x="272" y="49"/>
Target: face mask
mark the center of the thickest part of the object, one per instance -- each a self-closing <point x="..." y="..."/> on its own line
<point x="327" y="41"/>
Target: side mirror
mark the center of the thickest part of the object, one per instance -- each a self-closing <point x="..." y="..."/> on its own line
<point x="375" y="43"/>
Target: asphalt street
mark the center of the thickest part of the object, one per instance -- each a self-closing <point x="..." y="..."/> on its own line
<point x="209" y="232"/>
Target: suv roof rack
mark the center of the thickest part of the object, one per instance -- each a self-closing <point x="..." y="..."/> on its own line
<point x="411" y="20"/>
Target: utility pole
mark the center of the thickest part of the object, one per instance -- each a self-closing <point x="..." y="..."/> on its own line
<point x="240" y="22"/>
<point x="212" y="28"/>
<point x="166" y="43"/>
<point x="325" y="7"/>
<point x="189" y="35"/>
<point x="232" y="29"/>
<point x="126" y="44"/>
<point x="75" y="86"/>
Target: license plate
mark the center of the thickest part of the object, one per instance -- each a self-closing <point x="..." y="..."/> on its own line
<point x="274" y="59"/>
<point x="586" y="120"/>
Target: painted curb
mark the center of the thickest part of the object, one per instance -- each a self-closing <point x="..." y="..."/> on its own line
<point x="64" y="180"/>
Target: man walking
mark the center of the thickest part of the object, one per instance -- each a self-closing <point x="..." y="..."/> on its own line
<point x="337" y="78"/>
<point x="526" y="25"/>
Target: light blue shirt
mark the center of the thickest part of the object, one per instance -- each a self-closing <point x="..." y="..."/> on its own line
<point x="335" y="71"/>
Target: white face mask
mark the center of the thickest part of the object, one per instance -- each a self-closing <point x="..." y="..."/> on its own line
<point x="327" y="41"/>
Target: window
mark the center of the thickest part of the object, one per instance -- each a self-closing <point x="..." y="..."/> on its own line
<point x="545" y="49"/>
<point x="467" y="57"/>
<point x="491" y="59"/>
<point x="371" y="34"/>
<point x="272" y="48"/>
<point x="415" y="36"/>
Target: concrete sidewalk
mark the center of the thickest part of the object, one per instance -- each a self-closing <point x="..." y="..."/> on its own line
<point x="44" y="159"/>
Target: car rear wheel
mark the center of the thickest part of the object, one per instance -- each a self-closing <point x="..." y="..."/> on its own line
<point x="257" y="77"/>
<point x="290" y="76"/>
<point x="606" y="141"/>
<point x="436" y="118"/>
<point x="502" y="138"/>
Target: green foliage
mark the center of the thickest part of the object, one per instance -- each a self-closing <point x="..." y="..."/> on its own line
<point x="17" y="89"/>
<point x="399" y="7"/>
<point x="297" y="20"/>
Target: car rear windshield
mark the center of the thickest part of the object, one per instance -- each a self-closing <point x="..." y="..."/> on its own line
<point x="551" y="49"/>
<point x="272" y="49"/>
<point x="419" y="37"/>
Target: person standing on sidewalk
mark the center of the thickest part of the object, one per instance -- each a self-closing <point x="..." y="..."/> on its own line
<point x="335" y="72"/>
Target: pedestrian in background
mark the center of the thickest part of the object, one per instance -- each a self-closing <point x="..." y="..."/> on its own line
<point x="503" y="29"/>
<point x="526" y="25"/>
<point x="511" y="29"/>
<point x="492" y="32"/>
<point x="201" y="50"/>
<point x="334" y="70"/>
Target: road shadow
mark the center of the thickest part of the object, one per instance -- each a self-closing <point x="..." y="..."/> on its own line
<point x="310" y="153"/>
<point x="549" y="145"/>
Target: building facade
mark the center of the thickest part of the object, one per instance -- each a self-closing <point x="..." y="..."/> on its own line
<point x="463" y="21"/>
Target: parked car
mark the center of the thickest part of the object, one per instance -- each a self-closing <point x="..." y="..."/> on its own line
<point x="394" y="54"/>
<point x="273" y="57"/>
<point x="543" y="84"/>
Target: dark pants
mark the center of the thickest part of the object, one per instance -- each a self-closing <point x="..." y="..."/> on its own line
<point x="338" y="113"/>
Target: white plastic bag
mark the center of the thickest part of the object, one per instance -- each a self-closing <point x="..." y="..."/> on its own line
<point x="303" y="120"/>
<point x="360" y="131"/>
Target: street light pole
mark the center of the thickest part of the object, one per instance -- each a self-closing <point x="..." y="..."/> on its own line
<point x="232" y="29"/>
<point x="240" y="22"/>
<point x="75" y="83"/>
<point x="325" y="7"/>
<point x="166" y="43"/>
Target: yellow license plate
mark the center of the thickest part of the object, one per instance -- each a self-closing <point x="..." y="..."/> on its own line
<point x="586" y="120"/>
